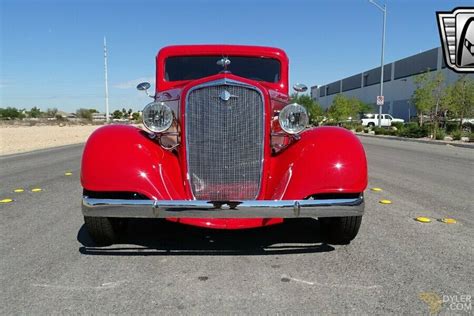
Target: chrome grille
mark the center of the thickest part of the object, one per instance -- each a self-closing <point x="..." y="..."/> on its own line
<point x="224" y="141"/>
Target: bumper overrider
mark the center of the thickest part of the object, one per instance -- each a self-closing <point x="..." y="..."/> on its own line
<point x="222" y="209"/>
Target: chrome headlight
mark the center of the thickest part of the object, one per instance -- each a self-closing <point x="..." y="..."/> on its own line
<point x="157" y="117"/>
<point x="293" y="118"/>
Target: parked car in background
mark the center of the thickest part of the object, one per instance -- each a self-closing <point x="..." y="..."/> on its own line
<point x="467" y="124"/>
<point x="372" y="120"/>
<point x="468" y="120"/>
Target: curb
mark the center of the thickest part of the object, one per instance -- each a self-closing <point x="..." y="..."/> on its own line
<point x="417" y="140"/>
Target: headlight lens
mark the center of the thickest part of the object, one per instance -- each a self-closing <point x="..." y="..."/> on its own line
<point x="157" y="117"/>
<point x="293" y="118"/>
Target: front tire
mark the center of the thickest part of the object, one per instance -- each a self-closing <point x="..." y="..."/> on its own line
<point x="104" y="231"/>
<point x="371" y="124"/>
<point x="340" y="230"/>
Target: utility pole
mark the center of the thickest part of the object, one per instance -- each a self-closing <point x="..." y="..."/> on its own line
<point x="384" y="10"/>
<point x="106" y="83"/>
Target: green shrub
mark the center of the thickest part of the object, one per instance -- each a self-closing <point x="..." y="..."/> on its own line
<point x="380" y="131"/>
<point x="429" y="127"/>
<point x="412" y="125"/>
<point x="398" y="125"/>
<point x="440" y="134"/>
<point x="10" y="113"/>
<point x="400" y="131"/>
<point x="451" y="127"/>
<point x="351" y="125"/>
<point x="413" y="130"/>
<point x="471" y="136"/>
<point x="456" y="134"/>
<point x="391" y="132"/>
<point x="359" y="128"/>
<point x="384" y="131"/>
<point x="84" y="114"/>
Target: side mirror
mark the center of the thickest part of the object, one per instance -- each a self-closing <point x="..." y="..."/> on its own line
<point x="299" y="87"/>
<point x="144" y="86"/>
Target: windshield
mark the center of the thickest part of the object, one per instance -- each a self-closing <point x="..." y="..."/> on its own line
<point x="195" y="67"/>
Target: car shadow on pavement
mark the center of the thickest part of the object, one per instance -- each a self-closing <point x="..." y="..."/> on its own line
<point x="160" y="237"/>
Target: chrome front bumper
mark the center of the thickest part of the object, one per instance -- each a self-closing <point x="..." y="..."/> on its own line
<point x="232" y="209"/>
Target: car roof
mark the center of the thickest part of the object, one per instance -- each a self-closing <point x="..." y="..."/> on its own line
<point x="246" y="50"/>
<point x="221" y="50"/>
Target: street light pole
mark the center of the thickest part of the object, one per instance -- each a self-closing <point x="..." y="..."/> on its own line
<point x="106" y="80"/>
<point x="384" y="10"/>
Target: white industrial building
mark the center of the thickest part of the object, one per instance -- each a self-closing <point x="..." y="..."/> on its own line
<point x="398" y="83"/>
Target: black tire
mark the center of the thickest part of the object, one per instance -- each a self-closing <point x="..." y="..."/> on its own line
<point x="371" y="124"/>
<point x="103" y="230"/>
<point x="340" y="230"/>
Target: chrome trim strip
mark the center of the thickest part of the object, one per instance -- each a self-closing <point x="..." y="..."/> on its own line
<point x="222" y="209"/>
<point x="218" y="82"/>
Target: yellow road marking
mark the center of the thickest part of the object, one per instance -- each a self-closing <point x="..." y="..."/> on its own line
<point x="68" y="173"/>
<point x="423" y="219"/>
<point x="36" y="190"/>
<point x="376" y="189"/>
<point x="448" y="220"/>
<point x="19" y="190"/>
<point x="6" y="200"/>
<point x="385" y="202"/>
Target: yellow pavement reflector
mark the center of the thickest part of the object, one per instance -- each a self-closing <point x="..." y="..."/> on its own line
<point x="385" y="202"/>
<point x="448" y="220"/>
<point x="68" y="173"/>
<point x="6" y="201"/>
<point x="36" y="190"/>
<point x="423" y="219"/>
<point x="377" y="189"/>
<point x="19" y="190"/>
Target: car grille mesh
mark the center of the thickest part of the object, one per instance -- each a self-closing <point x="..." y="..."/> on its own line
<point x="224" y="142"/>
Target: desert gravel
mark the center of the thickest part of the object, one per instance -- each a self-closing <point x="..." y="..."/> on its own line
<point x="21" y="139"/>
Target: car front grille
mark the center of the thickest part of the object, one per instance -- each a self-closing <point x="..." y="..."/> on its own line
<point x="224" y="141"/>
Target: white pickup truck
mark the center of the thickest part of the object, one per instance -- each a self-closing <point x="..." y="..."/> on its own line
<point x="372" y="120"/>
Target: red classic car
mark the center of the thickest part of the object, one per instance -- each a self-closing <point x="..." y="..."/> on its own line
<point x="223" y="148"/>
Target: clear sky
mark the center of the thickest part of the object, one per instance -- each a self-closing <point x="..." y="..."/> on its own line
<point x="52" y="54"/>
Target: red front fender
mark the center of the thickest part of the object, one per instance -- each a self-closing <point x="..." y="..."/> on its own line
<point x="120" y="158"/>
<point x="325" y="160"/>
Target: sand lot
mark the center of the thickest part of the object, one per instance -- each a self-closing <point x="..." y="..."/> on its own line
<point x="26" y="138"/>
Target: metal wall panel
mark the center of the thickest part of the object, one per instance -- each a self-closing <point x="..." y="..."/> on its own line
<point x="322" y="91"/>
<point x="373" y="76"/>
<point x="334" y="88"/>
<point x="351" y="83"/>
<point x="416" y="64"/>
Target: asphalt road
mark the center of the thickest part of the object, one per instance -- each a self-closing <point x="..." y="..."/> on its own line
<point x="49" y="264"/>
